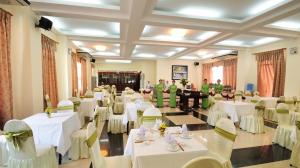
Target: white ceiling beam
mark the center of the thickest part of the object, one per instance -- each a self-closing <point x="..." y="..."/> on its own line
<point x="164" y="43"/>
<point x="274" y="32"/>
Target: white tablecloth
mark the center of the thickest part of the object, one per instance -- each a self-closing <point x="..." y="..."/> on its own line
<point x="130" y="112"/>
<point x="130" y="97"/>
<point x="236" y="109"/>
<point x="157" y="155"/>
<point x="55" y="131"/>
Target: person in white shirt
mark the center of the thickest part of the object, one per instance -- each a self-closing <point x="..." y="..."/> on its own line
<point x="148" y="86"/>
<point x="167" y="85"/>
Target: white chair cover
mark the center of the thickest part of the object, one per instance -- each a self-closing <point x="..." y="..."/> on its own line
<point x="78" y="149"/>
<point x="99" y="161"/>
<point x="4" y="155"/>
<point x="119" y="108"/>
<point x="30" y="155"/>
<point x="204" y="161"/>
<point x="214" y="112"/>
<point x="65" y="106"/>
<point x="89" y="93"/>
<point x="284" y="129"/>
<point x="295" y="157"/>
<point x="219" y="145"/>
<point x="103" y="112"/>
<point x="150" y="116"/>
<point x="254" y="123"/>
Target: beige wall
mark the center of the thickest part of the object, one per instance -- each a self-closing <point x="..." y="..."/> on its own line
<point x="247" y="67"/>
<point x="26" y="57"/>
<point x="164" y="71"/>
<point x="147" y="67"/>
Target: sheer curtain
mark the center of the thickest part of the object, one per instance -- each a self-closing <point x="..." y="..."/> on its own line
<point x="49" y="69"/>
<point x="271" y="67"/>
<point x="230" y="72"/>
<point x="74" y="74"/>
<point x="6" y="103"/>
<point x="83" y="75"/>
<point x="207" y="72"/>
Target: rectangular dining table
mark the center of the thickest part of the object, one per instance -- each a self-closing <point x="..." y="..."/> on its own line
<point x="156" y="153"/>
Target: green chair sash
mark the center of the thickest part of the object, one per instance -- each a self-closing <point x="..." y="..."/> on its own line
<point x="151" y="118"/>
<point x="65" y="108"/>
<point x="254" y="101"/>
<point x="298" y="124"/>
<point x="96" y="119"/>
<point x="282" y="111"/>
<point x="225" y="134"/>
<point x="238" y="94"/>
<point x="289" y="102"/>
<point x="76" y="105"/>
<point x="17" y="138"/>
<point x="260" y="108"/>
<point x="92" y="139"/>
<point x="89" y="96"/>
<point x="140" y="113"/>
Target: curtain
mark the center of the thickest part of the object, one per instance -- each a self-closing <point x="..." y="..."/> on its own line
<point x="74" y="74"/>
<point x="271" y="72"/>
<point x="83" y="75"/>
<point x="230" y="72"/>
<point x="6" y="102"/>
<point x="49" y="70"/>
<point x="207" y="72"/>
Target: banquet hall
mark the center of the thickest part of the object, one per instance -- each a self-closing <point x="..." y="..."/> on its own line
<point x="149" y="84"/>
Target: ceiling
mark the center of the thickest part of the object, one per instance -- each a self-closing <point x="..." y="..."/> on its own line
<point x="171" y="29"/>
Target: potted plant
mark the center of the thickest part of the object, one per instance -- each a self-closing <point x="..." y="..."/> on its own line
<point x="184" y="82"/>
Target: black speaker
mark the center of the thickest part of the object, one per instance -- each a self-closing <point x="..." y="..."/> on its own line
<point x="196" y="63"/>
<point x="93" y="60"/>
<point x="44" y="23"/>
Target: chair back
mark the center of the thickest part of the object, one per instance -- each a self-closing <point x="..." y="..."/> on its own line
<point x="92" y="140"/>
<point x="89" y="93"/>
<point x="222" y="141"/>
<point x="26" y="148"/>
<point x="150" y="116"/>
<point x="205" y="161"/>
<point x="65" y="106"/>
<point x="119" y="108"/>
<point x="283" y="114"/>
<point x="260" y="108"/>
<point x="118" y="99"/>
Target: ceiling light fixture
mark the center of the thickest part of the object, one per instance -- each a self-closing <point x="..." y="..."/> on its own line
<point x="118" y="61"/>
<point x="201" y="53"/>
<point x="264" y="6"/>
<point x="145" y="55"/>
<point x="200" y="12"/>
<point x="86" y="49"/>
<point x="94" y="2"/>
<point x="207" y="35"/>
<point x="100" y="47"/>
<point x="265" y="40"/>
<point x="189" y="57"/>
<point x="179" y="33"/>
<point x="90" y="32"/>
<point x="105" y="53"/>
<point x="231" y="43"/>
<point x="171" y="53"/>
<point x="287" y="24"/>
<point x="179" y="49"/>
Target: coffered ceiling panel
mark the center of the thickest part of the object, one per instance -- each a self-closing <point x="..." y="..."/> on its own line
<point x="150" y="51"/>
<point x="233" y="10"/>
<point x="289" y="23"/>
<point x="111" y="4"/>
<point x="98" y="49"/>
<point x="158" y="33"/>
<point x="206" y="54"/>
<point x="247" y="41"/>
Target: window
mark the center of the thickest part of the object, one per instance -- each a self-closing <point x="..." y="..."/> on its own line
<point x="79" y="76"/>
<point x="217" y="73"/>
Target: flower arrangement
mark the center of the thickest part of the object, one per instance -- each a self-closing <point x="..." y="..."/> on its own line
<point x="183" y="82"/>
<point x="162" y="128"/>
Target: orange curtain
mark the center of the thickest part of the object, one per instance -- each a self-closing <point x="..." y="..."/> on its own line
<point x="271" y="72"/>
<point x="207" y="72"/>
<point x="230" y="72"/>
<point x="49" y="69"/>
<point x="83" y="75"/>
<point x="74" y="74"/>
<point x="6" y="103"/>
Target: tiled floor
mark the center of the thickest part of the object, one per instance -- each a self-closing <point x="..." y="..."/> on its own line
<point x="250" y="150"/>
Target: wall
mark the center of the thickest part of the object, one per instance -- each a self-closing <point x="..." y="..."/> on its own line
<point x="26" y="57"/>
<point x="247" y="67"/>
<point x="164" y="71"/>
<point x="147" y="67"/>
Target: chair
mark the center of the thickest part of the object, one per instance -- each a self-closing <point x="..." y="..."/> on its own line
<point x="4" y="155"/>
<point x="65" y="106"/>
<point x="254" y="123"/>
<point x="214" y="113"/>
<point x="99" y="161"/>
<point x="221" y="143"/>
<point x="150" y="116"/>
<point x="76" y="102"/>
<point x="115" y="121"/>
<point x="204" y="161"/>
<point x="295" y="157"/>
<point x="284" y="128"/>
<point x="103" y="113"/>
<point x="25" y="153"/>
<point x="89" y="94"/>
<point x="78" y="148"/>
<point x="118" y="108"/>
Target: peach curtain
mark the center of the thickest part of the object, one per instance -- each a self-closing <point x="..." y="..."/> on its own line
<point x="74" y="74"/>
<point x="230" y="72"/>
<point x="207" y="72"/>
<point x="271" y="72"/>
<point x="6" y="102"/>
<point x="83" y="75"/>
<point x="49" y="69"/>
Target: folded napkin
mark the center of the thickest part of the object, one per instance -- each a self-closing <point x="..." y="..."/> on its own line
<point x="184" y="129"/>
<point x="170" y="139"/>
<point x="157" y="124"/>
<point x="142" y="132"/>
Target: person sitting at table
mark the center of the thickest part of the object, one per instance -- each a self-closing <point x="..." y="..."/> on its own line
<point x="167" y="85"/>
<point x="159" y="93"/>
<point x="218" y="87"/>
<point x="173" y="90"/>
<point x="205" y="90"/>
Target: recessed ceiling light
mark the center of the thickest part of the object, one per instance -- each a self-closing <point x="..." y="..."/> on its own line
<point x="287" y="24"/>
<point x="264" y="6"/>
<point x="86" y="49"/>
<point x="105" y="53"/>
<point x="94" y="2"/>
<point x="265" y="40"/>
<point x="78" y="43"/>
<point x="179" y="49"/>
<point x="189" y="57"/>
<point x="169" y="54"/>
<point x="100" y="47"/>
<point x="224" y="52"/>
<point x="207" y="35"/>
<point x="116" y="28"/>
<point x="200" y="53"/>
<point x="231" y="43"/>
<point x="90" y="32"/>
<point x="118" y="61"/>
<point x="167" y="38"/>
<point x="200" y="12"/>
<point x="178" y="32"/>
<point x="145" y="55"/>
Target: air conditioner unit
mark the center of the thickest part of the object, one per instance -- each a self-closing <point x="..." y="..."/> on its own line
<point x="16" y="2"/>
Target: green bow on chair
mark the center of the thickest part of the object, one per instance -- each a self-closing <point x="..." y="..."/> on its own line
<point x="282" y="111"/>
<point x="96" y="119"/>
<point x="225" y="134"/>
<point x="17" y="138"/>
<point x="76" y="105"/>
<point x="92" y="139"/>
<point x="65" y="108"/>
<point x="298" y="124"/>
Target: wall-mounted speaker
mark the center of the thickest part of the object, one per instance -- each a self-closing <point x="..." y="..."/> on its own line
<point x="44" y="23"/>
<point x="293" y="50"/>
<point x="93" y="60"/>
<point x="196" y="63"/>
